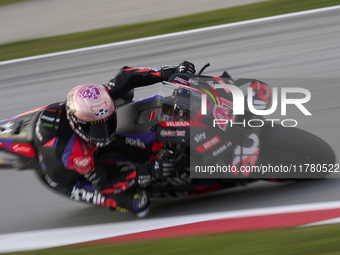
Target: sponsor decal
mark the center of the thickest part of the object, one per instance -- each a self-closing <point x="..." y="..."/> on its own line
<point x="167" y="67"/>
<point x="89" y="93"/>
<point x="208" y="144"/>
<point x="95" y="197"/>
<point x="175" y="124"/>
<point x="23" y="149"/>
<point x="199" y="137"/>
<point x="163" y="133"/>
<point x="155" y="69"/>
<point x="81" y="162"/>
<point x="170" y="133"/>
<point x="194" y="82"/>
<point x="135" y="142"/>
<point x="101" y="113"/>
<point x="152" y="115"/>
<point x="221" y="149"/>
<point x="181" y="80"/>
<point x="6" y="128"/>
<point x="144" y="179"/>
<point x="211" y="84"/>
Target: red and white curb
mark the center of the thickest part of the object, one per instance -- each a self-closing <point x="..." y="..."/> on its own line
<point x="251" y="219"/>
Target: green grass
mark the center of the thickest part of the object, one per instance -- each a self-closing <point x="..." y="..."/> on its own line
<point x="315" y="240"/>
<point x="8" y="2"/>
<point x="127" y="32"/>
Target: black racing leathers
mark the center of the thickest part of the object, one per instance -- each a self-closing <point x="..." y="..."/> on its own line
<point x="70" y="165"/>
<point x="129" y="78"/>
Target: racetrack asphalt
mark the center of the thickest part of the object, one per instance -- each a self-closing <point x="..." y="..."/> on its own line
<point x="300" y="51"/>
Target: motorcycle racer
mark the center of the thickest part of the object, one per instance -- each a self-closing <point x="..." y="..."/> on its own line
<point x="68" y="136"/>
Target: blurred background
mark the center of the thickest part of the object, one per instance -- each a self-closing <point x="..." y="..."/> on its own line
<point x="301" y="51"/>
<point x="31" y="19"/>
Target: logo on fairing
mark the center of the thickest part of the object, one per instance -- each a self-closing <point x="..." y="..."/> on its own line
<point x="209" y="144"/>
<point x="181" y="80"/>
<point x="24" y="149"/>
<point x="176" y="124"/>
<point x="155" y="69"/>
<point x="163" y="133"/>
<point x="193" y="82"/>
<point x="221" y="149"/>
<point x="152" y="115"/>
<point x="211" y="84"/>
<point x="199" y="137"/>
<point x="170" y="133"/>
<point x="18" y="148"/>
<point x="135" y="142"/>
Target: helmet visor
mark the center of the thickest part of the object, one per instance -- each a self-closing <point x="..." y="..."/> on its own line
<point x="101" y="130"/>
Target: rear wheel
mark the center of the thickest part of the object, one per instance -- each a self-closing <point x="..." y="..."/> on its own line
<point x="305" y="155"/>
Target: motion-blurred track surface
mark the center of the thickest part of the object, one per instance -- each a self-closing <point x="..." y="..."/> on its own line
<point x="303" y="51"/>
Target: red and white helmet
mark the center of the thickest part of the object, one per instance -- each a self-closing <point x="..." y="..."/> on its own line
<point x="92" y="113"/>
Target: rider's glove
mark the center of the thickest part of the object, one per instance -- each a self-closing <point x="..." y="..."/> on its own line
<point x="156" y="171"/>
<point x="186" y="67"/>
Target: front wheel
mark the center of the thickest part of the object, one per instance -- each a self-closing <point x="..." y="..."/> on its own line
<point x="303" y="154"/>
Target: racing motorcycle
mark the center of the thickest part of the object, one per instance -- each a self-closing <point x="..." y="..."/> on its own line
<point x="192" y="120"/>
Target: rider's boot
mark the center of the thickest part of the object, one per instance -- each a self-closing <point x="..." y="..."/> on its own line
<point x="135" y="201"/>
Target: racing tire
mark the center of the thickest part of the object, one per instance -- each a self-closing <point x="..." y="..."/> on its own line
<point x="310" y="156"/>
